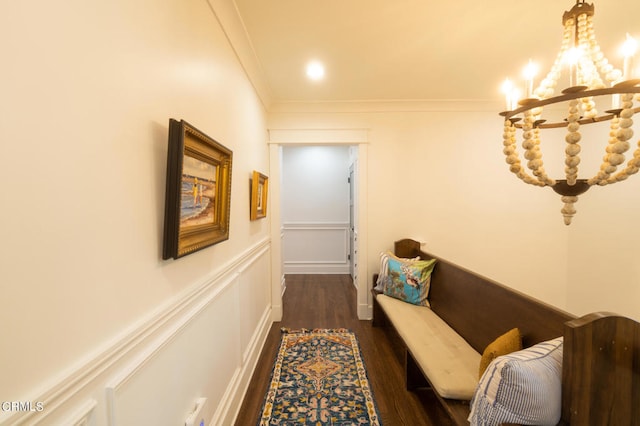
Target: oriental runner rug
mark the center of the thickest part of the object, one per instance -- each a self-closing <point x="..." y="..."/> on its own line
<point x="319" y="379"/>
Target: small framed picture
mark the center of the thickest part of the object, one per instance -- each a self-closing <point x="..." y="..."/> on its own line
<point x="259" y="189"/>
<point x="198" y="191"/>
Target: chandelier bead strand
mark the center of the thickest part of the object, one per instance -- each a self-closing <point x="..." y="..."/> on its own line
<point x="622" y="145"/>
<point x="511" y="154"/>
<point x="573" y="149"/>
<point x="510" y="147"/>
<point x="532" y="150"/>
<point x="606" y="169"/>
<point x="632" y="167"/>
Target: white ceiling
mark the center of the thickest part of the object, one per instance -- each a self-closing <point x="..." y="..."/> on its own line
<point x="414" y="49"/>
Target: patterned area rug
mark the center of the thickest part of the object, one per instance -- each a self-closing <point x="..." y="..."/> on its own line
<point x="319" y="379"/>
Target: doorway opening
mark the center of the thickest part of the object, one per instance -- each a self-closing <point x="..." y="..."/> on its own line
<point x="350" y="228"/>
<point x="316" y="208"/>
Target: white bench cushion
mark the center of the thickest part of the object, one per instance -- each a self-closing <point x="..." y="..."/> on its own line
<point x="448" y="361"/>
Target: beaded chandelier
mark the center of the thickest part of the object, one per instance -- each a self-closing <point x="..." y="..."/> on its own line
<point x="592" y="83"/>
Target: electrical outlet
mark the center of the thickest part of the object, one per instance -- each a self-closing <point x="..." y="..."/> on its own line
<point x="196" y="418"/>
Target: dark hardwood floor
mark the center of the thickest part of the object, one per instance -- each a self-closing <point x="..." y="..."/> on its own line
<point x="329" y="301"/>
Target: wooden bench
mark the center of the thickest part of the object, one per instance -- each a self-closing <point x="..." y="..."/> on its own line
<point x="480" y="310"/>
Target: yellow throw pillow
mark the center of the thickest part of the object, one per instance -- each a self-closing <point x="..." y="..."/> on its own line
<point x="511" y="341"/>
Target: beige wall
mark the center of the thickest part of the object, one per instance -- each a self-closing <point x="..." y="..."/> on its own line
<point x="604" y="271"/>
<point x="437" y="174"/>
<point x="87" y="92"/>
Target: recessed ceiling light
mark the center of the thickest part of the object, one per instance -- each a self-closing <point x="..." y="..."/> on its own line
<point x="315" y="70"/>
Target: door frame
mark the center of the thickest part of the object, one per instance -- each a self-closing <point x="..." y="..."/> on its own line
<point x="353" y="210"/>
<point x="358" y="138"/>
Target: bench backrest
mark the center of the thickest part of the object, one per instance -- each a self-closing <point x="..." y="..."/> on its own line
<point x="480" y="309"/>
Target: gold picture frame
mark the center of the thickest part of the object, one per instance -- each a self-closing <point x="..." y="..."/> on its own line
<point x="259" y="190"/>
<point x="198" y="191"/>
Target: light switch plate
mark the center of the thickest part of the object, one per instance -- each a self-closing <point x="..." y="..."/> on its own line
<point x="196" y="418"/>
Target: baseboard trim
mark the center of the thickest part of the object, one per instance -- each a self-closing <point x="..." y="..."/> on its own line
<point x="365" y="311"/>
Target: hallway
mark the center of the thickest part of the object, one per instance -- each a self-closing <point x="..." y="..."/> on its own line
<point x="329" y="301"/>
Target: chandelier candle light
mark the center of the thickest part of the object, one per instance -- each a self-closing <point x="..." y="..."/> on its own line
<point x="590" y="78"/>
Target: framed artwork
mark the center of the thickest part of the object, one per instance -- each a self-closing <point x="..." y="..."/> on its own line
<point x="259" y="189"/>
<point x="198" y="192"/>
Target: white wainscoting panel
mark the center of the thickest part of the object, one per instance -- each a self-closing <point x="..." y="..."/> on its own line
<point x="177" y="369"/>
<point x="205" y="343"/>
<point x="316" y="248"/>
<point x="253" y="297"/>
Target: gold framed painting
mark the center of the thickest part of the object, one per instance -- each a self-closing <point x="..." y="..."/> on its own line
<point x="198" y="191"/>
<point x="259" y="190"/>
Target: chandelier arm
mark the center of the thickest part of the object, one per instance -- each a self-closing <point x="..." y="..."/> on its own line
<point x="610" y="115"/>
<point x="568" y="95"/>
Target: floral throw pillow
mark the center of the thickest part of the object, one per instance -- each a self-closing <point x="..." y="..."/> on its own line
<point x="410" y="281"/>
<point x="383" y="276"/>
